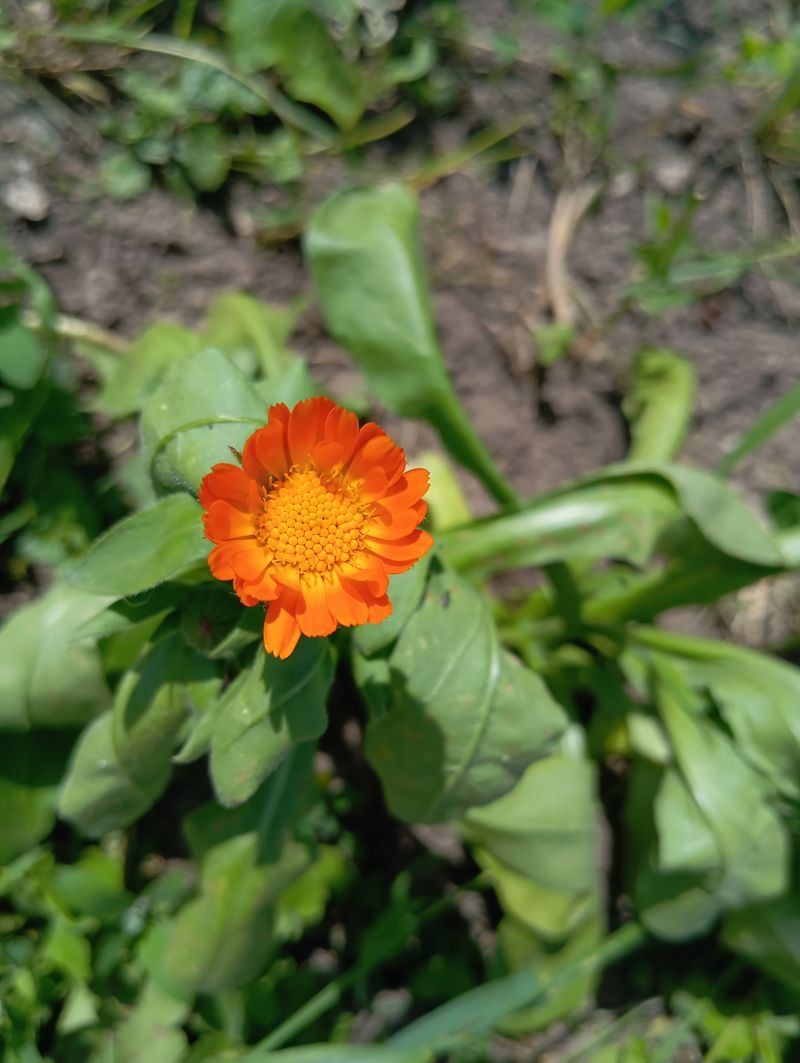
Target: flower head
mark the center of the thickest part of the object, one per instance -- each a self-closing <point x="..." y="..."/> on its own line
<point x="316" y="519"/>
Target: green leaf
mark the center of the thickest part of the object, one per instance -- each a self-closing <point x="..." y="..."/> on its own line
<point x="31" y="767"/>
<point x="151" y="703"/>
<point x="768" y="935"/>
<point x="67" y="949"/>
<point x="284" y="796"/>
<point x="151" y="1031"/>
<point x="364" y="252"/>
<point x="122" y="763"/>
<point x="136" y="373"/>
<point x="264" y="712"/>
<point x="659" y="404"/>
<point x="149" y="607"/>
<point x="464" y="718"/>
<point x="459" y="1022"/>
<point x="98" y="794"/>
<point x="145" y="549"/>
<point x="591" y="521"/>
<point x="731" y="798"/>
<point x="221" y="940"/>
<point x="18" y="410"/>
<point x="46" y="678"/>
<point x="315" y="71"/>
<point x="238" y="324"/>
<point x="756" y="695"/>
<point x="124" y="176"/>
<point x="543" y="829"/>
<point x="447" y="504"/>
<point x="258" y="29"/>
<point x="685" y="840"/>
<point x="204" y="151"/>
<point x="771" y="421"/>
<point x="23" y="355"/>
<point x="198" y="412"/>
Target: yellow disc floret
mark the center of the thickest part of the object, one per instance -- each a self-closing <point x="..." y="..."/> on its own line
<point x="310" y="522"/>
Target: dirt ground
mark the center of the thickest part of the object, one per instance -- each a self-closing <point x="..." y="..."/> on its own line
<point x="124" y="265"/>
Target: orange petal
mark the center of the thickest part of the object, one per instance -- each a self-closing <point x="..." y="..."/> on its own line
<point x="379" y="610"/>
<point x="408" y="489"/>
<point x="263" y="589"/>
<point x="265" y="454"/>
<point x="367" y="569"/>
<point x="347" y="602"/>
<point x="238" y="557"/>
<point x="341" y="426"/>
<point x="396" y="524"/>
<point x="375" y="485"/>
<point x="224" y="481"/>
<point x="313" y="614"/>
<point x="224" y="521"/>
<point x="306" y="427"/>
<point x="378" y="450"/>
<point x="400" y="552"/>
<point x="328" y="455"/>
<point x="281" y="631"/>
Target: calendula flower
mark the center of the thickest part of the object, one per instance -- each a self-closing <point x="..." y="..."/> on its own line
<point x="316" y="519"/>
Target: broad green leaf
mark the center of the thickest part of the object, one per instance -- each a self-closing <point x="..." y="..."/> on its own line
<point x="282" y="798"/>
<point x="152" y="701"/>
<point x="98" y="794"/>
<point x="768" y="935"/>
<point x="302" y="904"/>
<point x="18" y="410"/>
<point x="198" y="412"/>
<point x="122" y="763"/>
<point x="31" y="767"/>
<point x="543" y="829"/>
<point x="259" y="29"/>
<point x="93" y="885"/>
<point x="659" y="404"/>
<point x="214" y="621"/>
<point x="587" y="522"/>
<point x="221" y="939"/>
<point x="23" y="355"/>
<point x="756" y="695"/>
<point x="149" y="606"/>
<point x="622" y="512"/>
<point x="685" y="841"/>
<point x="315" y="71"/>
<point x="151" y="1032"/>
<point x="145" y="549"/>
<point x="264" y="712"/>
<point x="464" y="717"/>
<point x="364" y="251"/>
<point x="240" y="324"/>
<point x="124" y="176"/>
<point x="204" y="151"/>
<point x="522" y="950"/>
<point x="67" y="949"/>
<point x="46" y="678"/>
<point x="733" y="801"/>
<point x="136" y="373"/>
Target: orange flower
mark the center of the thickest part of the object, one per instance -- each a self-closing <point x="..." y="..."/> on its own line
<point x="315" y="521"/>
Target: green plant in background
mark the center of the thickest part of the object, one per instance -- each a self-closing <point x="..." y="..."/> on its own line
<point x="525" y="724"/>
<point x="254" y="87"/>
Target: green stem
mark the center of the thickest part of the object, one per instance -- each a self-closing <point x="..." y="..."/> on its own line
<point x="460" y="438"/>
